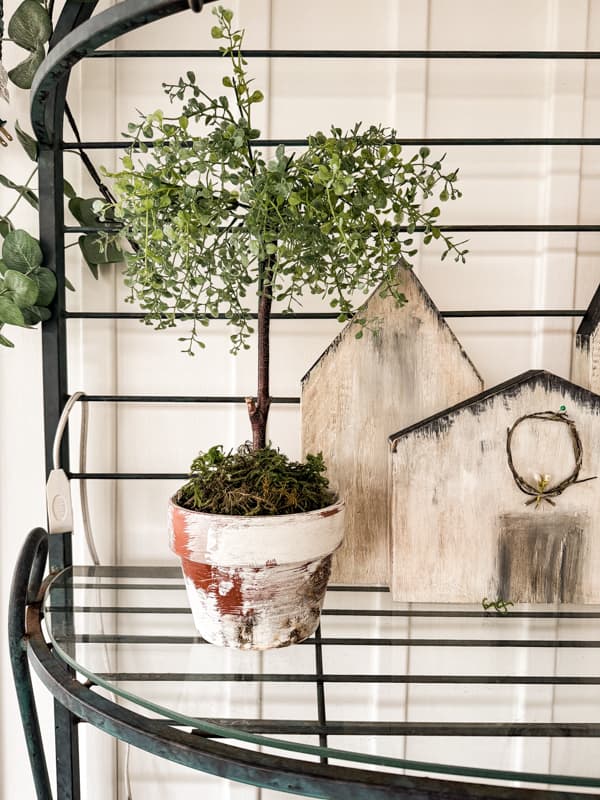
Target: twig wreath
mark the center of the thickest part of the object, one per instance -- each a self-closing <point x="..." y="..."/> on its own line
<point x="543" y="492"/>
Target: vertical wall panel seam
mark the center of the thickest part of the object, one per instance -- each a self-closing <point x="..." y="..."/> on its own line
<point x="582" y="132"/>
<point x="574" y="298"/>
<point x="425" y="108"/>
<point x="540" y="279"/>
<point x="545" y="173"/>
<point x="425" y="126"/>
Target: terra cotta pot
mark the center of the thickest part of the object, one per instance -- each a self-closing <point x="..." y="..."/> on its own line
<point x="256" y="582"/>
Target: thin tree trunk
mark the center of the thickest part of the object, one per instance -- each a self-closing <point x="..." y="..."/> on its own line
<point x="258" y="407"/>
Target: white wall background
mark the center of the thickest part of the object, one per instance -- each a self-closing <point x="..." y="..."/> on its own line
<point x="501" y="185"/>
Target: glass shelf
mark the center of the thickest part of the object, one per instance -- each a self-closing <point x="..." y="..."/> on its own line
<point x="394" y="687"/>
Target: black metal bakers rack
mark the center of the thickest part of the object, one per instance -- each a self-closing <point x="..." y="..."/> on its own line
<point x="50" y="618"/>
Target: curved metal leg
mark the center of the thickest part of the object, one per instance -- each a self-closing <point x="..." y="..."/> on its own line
<point x="25" y="586"/>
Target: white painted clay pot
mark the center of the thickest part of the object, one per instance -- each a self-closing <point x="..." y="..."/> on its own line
<point x="256" y="582"/>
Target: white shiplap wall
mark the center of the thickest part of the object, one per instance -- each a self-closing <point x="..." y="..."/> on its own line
<point x="512" y="185"/>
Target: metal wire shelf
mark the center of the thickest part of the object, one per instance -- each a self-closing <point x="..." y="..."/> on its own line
<point x="71" y="43"/>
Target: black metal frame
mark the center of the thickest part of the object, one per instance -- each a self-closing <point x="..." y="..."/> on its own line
<point x="79" y="35"/>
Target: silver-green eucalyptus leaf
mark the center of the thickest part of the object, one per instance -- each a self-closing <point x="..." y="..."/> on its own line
<point x="68" y="190"/>
<point x="82" y="210"/>
<point x="22" y="75"/>
<point x="27" y="194"/>
<point x="24" y="290"/>
<point x="46" y="281"/>
<point x="28" y="143"/>
<point x="5" y="226"/>
<point x="35" y="314"/>
<point x="21" y="252"/>
<point x="97" y="251"/>
<point x="30" y="26"/>
<point x="10" y="313"/>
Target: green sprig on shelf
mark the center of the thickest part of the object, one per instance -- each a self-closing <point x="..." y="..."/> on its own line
<point x="500" y="606"/>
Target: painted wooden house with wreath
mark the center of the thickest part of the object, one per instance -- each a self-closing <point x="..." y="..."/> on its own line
<point x="497" y="497"/>
<point x="359" y="391"/>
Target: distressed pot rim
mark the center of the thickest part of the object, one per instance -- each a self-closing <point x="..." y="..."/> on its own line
<point x="230" y="540"/>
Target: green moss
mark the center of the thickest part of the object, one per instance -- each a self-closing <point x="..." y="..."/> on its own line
<point x="249" y="482"/>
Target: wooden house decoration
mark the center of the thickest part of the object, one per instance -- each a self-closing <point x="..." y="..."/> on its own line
<point x="497" y="497"/>
<point x="586" y="359"/>
<point x="357" y="392"/>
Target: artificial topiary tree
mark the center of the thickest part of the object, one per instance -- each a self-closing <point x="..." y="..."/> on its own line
<point x="214" y="220"/>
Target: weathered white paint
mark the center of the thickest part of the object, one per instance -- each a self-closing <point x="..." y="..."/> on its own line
<point x="360" y="390"/>
<point x="255" y="541"/>
<point x="456" y="507"/>
<point x="256" y="582"/>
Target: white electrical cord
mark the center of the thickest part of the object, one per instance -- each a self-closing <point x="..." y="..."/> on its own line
<point x="60" y="428"/>
<point x="86" y="522"/>
<point x="58" y="488"/>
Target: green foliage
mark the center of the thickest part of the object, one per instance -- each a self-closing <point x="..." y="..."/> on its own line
<point x="26" y="287"/>
<point x="29" y="27"/>
<point x="21" y="251"/>
<point x="28" y="143"/>
<point x="249" y="482"/>
<point x="24" y="191"/>
<point x="24" y="300"/>
<point x="22" y="75"/>
<point x="207" y="210"/>
<point x="500" y="606"/>
<point x="95" y="248"/>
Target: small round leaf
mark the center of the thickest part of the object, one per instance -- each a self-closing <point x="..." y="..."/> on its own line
<point x="21" y="252"/>
<point x="46" y="281"/>
<point x="24" y="290"/>
<point x="22" y="75"/>
<point x="30" y="25"/>
<point x="5" y="226"/>
<point x="36" y="314"/>
<point x="28" y="143"/>
<point x="96" y="251"/>
<point x="10" y="313"/>
<point x="83" y="209"/>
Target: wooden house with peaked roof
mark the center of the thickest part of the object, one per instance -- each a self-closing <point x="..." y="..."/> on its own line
<point x="497" y="497"/>
<point x="358" y="391"/>
<point x="586" y="359"/>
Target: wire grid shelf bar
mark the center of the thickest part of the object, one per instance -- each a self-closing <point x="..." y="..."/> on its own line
<point x="132" y="579"/>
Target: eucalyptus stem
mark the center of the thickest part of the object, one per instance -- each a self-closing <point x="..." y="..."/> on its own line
<point x="22" y="191"/>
